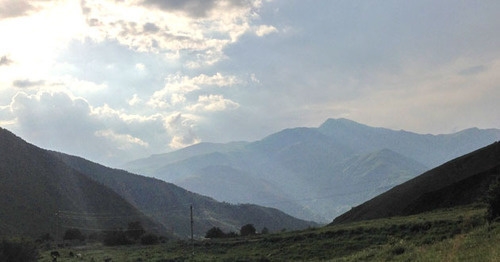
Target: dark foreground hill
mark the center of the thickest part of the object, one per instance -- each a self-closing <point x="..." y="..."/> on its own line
<point x="40" y="194"/>
<point x="458" y="182"/>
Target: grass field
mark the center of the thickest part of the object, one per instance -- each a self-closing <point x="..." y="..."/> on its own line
<point x="457" y="234"/>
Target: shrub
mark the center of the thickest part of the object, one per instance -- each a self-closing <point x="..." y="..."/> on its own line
<point x="247" y="230"/>
<point x="150" y="239"/>
<point x="215" y="232"/>
<point x="73" y="234"/>
<point x="116" y="238"/>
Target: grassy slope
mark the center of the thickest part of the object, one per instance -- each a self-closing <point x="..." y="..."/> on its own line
<point x="457" y="234"/>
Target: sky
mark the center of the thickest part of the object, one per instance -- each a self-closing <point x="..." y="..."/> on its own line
<point x="117" y="80"/>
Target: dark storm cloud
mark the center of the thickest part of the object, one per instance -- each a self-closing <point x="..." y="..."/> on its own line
<point x="26" y="83"/>
<point x="194" y="8"/>
<point x="16" y="8"/>
<point x="150" y="28"/>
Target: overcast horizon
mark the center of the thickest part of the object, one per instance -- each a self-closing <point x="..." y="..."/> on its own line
<point x="114" y="81"/>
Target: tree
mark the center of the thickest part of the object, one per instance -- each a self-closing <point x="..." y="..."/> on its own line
<point x="264" y="231"/>
<point x="247" y="230"/>
<point x="493" y="201"/>
<point x="150" y="239"/>
<point x="116" y="238"/>
<point x="215" y="232"/>
<point x="73" y="234"/>
<point x="135" y="230"/>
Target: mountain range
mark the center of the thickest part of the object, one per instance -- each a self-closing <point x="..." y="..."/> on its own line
<point x="311" y="173"/>
<point x="44" y="191"/>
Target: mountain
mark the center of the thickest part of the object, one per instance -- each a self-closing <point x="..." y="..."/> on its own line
<point x="157" y="161"/>
<point x="312" y="173"/>
<point x="169" y="204"/>
<point x="47" y="192"/>
<point x="430" y="150"/>
<point x="40" y="194"/>
<point x="461" y="181"/>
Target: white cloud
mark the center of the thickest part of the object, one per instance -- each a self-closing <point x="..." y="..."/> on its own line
<point x="135" y="100"/>
<point x="62" y="122"/>
<point x="181" y="128"/>
<point x="124" y="141"/>
<point x="265" y="30"/>
<point x="213" y="103"/>
<point x="198" y="29"/>
<point x="178" y="85"/>
<point x="140" y="66"/>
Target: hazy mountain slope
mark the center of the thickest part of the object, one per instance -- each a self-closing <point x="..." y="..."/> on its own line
<point x="430" y="150"/>
<point x="230" y="185"/>
<point x="35" y="185"/>
<point x="325" y="170"/>
<point x="155" y="162"/>
<point x="365" y="176"/>
<point x="464" y="176"/>
<point x="169" y="204"/>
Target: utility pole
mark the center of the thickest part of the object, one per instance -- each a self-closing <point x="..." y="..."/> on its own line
<point x="192" y="236"/>
<point x="57" y="228"/>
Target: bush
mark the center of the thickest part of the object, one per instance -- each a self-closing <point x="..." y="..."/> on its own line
<point x="18" y="250"/>
<point x="73" y="234"/>
<point x="215" y="232"/>
<point x="116" y="238"/>
<point x="493" y="201"/>
<point x="247" y="230"/>
<point x="150" y="239"/>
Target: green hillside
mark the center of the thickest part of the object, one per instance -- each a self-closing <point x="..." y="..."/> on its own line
<point x="40" y="194"/>
<point x="457" y="234"/>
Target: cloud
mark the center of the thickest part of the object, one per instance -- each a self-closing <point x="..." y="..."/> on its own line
<point x="195" y="30"/>
<point x="150" y="27"/>
<point x="473" y="70"/>
<point x="14" y="8"/>
<point x="26" y="83"/>
<point x="178" y="85"/>
<point x="140" y="66"/>
<point x="265" y="30"/>
<point x="135" y="100"/>
<point x="181" y="128"/>
<point x="195" y="8"/>
<point x="5" y="61"/>
<point x="213" y="103"/>
<point x="62" y="122"/>
<point x="124" y="141"/>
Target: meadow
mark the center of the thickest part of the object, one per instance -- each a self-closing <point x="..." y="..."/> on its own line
<point x="454" y="234"/>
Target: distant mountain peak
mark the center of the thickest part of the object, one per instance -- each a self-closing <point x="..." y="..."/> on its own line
<point x="340" y="122"/>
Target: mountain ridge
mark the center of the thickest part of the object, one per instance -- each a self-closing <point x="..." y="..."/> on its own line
<point x="309" y="162"/>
